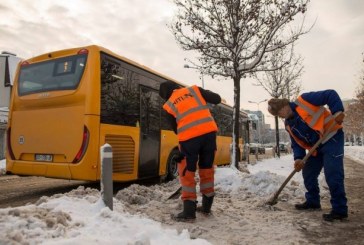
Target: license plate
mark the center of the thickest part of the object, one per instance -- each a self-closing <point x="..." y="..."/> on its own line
<point x="44" y="157"/>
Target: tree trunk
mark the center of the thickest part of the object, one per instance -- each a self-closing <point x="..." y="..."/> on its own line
<point x="277" y="137"/>
<point x="236" y="114"/>
<point x="248" y="142"/>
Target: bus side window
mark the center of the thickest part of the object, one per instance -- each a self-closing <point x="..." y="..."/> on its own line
<point x="120" y="97"/>
<point x="223" y="119"/>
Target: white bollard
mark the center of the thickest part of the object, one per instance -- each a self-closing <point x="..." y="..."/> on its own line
<point x="106" y="175"/>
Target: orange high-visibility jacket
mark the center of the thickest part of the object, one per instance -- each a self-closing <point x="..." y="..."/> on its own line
<point x="318" y="118"/>
<point x="192" y="114"/>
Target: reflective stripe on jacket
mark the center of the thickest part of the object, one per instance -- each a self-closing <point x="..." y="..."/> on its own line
<point x="318" y="118"/>
<point x="192" y="114"/>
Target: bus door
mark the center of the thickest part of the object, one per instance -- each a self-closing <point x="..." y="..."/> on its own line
<point x="150" y="113"/>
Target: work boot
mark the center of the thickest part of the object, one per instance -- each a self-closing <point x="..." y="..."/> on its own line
<point x="334" y="216"/>
<point x="206" y="205"/>
<point x="188" y="213"/>
<point x="307" y="206"/>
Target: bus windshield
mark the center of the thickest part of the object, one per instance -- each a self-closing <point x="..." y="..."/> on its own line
<point x="58" y="74"/>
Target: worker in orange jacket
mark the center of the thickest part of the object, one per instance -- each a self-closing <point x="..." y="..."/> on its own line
<point x="196" y="130"/>
<point x="307" y="120"/>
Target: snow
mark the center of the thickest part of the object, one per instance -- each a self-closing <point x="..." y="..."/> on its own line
<point x="2" y="166"/>
<point x="4" y="114"/>
<point x="80" y="217"/>
<point x="355" y="153"/>
<point x="141" y="213"/>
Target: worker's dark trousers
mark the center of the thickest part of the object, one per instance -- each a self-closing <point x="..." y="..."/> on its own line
<point x="201" y="150"/>
<point x="330" y="157"/>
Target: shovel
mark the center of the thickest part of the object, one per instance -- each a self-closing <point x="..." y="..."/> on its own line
<point x="273" y="200"/>
<point x="175" y="194"/>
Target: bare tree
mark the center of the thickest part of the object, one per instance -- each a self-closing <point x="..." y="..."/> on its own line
<point x="234" y="37"/>
<point x="354" y="121"/>
<point x="283" y="82"/>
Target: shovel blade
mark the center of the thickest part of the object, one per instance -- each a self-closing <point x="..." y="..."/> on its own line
<point x="175" y="194"/>
<point x="272" y="201"/>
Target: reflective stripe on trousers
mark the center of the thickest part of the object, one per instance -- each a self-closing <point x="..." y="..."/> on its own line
<point x="207" y="181"/>
<point x="188" y="182"/>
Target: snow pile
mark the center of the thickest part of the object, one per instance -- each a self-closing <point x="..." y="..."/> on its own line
<point x="80" y="217"/>
<point x="231" y="181"/>
<point x="138" y="194"/>
<point x="262" y="183"/>
<point x="264" y="180"/>
<point x="228" y="179"/>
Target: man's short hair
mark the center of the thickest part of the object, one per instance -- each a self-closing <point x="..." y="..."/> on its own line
<point x="275" y="105"/>
<point x="166" y="89"/>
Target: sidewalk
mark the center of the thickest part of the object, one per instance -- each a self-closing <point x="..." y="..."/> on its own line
<point x="268" y="154"/>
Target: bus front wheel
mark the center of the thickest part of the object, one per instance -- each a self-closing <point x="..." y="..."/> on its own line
<point x="172" y="169"/>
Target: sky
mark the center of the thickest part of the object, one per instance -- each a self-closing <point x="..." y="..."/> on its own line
<point x="137" y="29"/>
<point x="80" y="216"/>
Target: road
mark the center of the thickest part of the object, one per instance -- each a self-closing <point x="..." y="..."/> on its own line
<point x="350" y="231"/>
<point x="17" y="191"/>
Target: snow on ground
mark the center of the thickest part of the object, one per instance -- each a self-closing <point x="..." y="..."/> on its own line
<point x="4" y="111"/>
<point x="142" y="214"/>
<point x="2" y="166"/>
<point x="80" y="217"/>
<point x="356" y="153"/>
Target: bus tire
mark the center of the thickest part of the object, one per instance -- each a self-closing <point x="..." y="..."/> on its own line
<point x="172" y="169"/>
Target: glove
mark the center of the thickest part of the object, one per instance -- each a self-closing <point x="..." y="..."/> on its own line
<point x="298" y="165"/>
<point x="340" y="118"/>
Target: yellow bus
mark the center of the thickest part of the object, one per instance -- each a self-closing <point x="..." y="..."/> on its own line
<point x="66" y="104"/>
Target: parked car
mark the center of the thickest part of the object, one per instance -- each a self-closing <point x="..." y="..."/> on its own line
<point x="261" y="150"/>
<point x="283" y="148"/>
